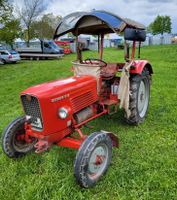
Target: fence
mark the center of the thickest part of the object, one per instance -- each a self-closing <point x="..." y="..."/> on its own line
<point x="157" y="40"/>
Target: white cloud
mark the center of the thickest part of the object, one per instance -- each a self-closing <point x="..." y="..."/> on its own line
<point x="143" y="11"/>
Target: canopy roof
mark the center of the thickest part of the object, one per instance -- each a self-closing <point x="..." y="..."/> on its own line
<point x="94" y="22"/>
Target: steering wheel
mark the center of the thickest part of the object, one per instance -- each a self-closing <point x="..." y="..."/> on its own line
<point x="93" y="61"/>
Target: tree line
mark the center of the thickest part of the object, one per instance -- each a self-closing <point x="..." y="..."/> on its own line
<point x="27" y="21"/>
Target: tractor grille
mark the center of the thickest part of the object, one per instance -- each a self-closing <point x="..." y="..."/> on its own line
<point x="32" y="108"/>
<point x="83" y="100"/>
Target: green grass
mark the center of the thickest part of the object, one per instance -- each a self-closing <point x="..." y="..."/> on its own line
<point x="145" y="165"/>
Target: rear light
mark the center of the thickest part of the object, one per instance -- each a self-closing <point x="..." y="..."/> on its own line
<point x="10" y="56"/>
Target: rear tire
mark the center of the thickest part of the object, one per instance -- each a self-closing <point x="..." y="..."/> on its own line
<point x="139" y="97"/>
<point x="11" y="145"/>
<point x="93" y="159"/>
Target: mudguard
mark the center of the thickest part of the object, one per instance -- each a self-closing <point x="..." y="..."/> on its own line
<point x="139" y="65"/>
<point x="113" y="137"/>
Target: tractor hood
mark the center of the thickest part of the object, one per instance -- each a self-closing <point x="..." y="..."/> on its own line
<point x="61" y="87"/>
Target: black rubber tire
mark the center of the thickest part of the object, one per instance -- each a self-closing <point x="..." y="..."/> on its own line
<point x="135" y="81"/>
<point x="3" y="61"/>
<point x="83" y="155"/>
<point x="8" y="140"/>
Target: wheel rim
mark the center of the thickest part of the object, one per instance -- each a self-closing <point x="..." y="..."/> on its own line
<point x="19" y="142"/>
<point x="143" y="98"/>
<point x="98" y="161"/>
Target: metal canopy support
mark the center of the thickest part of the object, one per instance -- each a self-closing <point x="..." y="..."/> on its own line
<point x="101" y="46"/>
<point x="78" y="49"/>
<point x="139" y="50"/>
<point x="126" y="51"/>
<point x="133" y="50"/>
<point x="98" y="43"/>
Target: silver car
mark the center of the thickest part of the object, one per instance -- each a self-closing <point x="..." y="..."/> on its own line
<point x="1" y="62"/>
<point x="9" y="56"/>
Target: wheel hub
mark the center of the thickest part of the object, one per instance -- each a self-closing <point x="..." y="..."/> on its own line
<point x="142" y="98"/>
<point x="98" y="160"/>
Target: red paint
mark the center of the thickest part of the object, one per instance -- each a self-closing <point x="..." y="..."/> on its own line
<point x="74" y="87"/>
<point x="139" y="66"/>
<point x="65" y="45"/>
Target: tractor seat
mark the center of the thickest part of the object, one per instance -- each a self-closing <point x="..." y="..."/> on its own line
<point x="109" y="71"/>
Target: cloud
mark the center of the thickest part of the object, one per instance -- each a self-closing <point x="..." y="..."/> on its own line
<point x="143" y="11"/>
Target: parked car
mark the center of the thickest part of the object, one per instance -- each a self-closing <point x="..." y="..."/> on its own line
<point x="1" y="62"/>
<point x="9" y="56"/>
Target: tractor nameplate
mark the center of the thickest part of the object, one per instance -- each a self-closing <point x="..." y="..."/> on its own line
<point x="60" y="98"/>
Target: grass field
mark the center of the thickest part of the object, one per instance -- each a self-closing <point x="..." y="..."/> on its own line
<point x="145" y="165"/>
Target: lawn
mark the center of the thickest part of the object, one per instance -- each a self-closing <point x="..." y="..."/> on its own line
<point x="145" y="165"/>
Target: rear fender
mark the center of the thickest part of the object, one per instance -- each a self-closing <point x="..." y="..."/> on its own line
<point x="139" y="65"/>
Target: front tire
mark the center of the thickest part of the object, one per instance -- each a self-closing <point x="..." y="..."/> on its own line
<point x="13" y="142"/>
<point x="139" y="97"/>
<point x="93" y="159"/>
<point x="3" y="61"/>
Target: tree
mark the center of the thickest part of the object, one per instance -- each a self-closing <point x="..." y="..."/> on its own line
<point x="161" y="25"/>
<point x="45" y="27"/>
<point x="5" y="10"/>
<point x="52" y="20"/>
<point x="29" y="12"/>
<point x="10" y="31"/>
<point x="10" y="26"/>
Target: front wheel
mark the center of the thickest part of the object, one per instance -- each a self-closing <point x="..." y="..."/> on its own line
<point x="3" y="61"/>
<point x="13" y="141"/>
<point x="93" y="159"/>
<point x="139" y="97"/>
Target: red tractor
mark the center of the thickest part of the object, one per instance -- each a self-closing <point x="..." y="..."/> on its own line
<point x="54" y="111"/>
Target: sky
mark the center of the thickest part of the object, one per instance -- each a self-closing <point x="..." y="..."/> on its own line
<point x="143" y="11"/>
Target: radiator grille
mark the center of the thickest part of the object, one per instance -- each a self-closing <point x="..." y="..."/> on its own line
<point x="32" y="108"/>
<point x="83" y="100"/>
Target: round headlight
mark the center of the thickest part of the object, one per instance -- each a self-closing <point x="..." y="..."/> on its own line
<point x="63" y="113"/>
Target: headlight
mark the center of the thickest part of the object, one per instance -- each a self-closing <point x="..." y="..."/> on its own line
<point x="63" y="113"/>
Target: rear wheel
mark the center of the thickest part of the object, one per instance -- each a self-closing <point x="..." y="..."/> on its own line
<point x="93" y="159"/>
<point x="14" y="144"/>
<point x="139" y="97"/>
